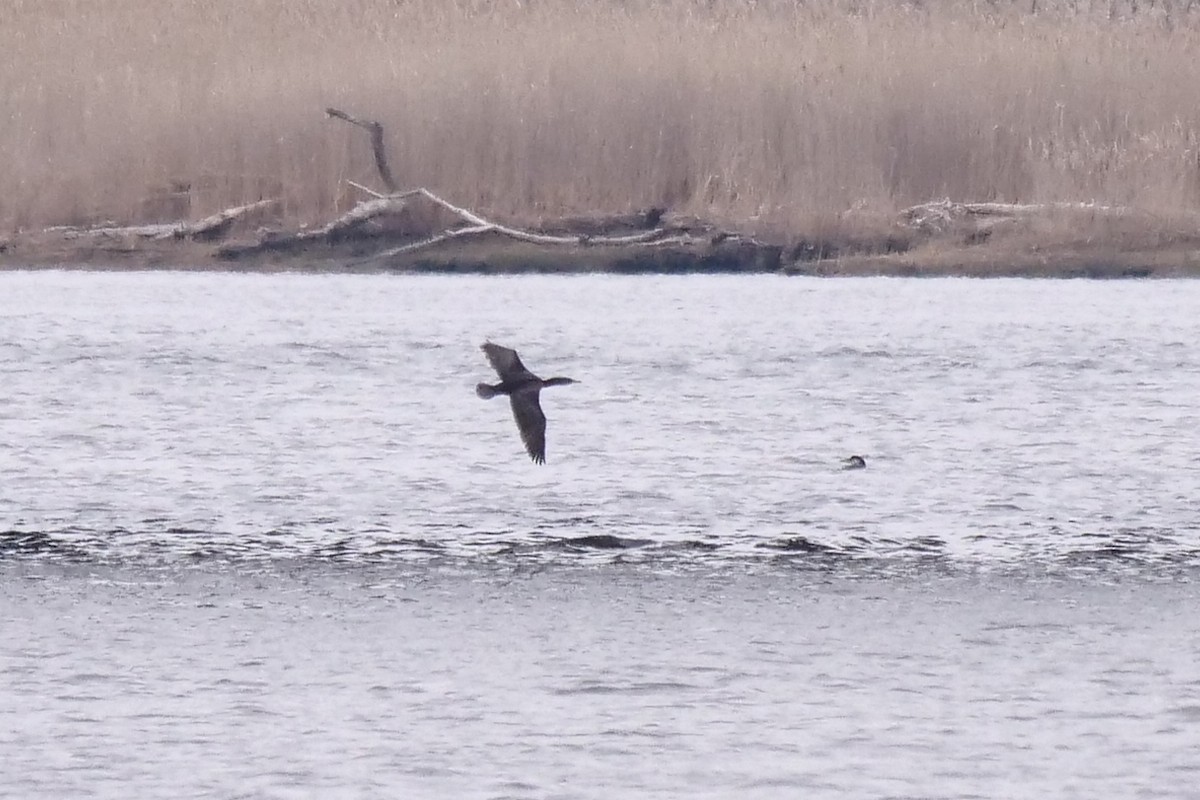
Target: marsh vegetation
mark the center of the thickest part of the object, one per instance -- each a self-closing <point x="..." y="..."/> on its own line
<point x="807" y="120"/>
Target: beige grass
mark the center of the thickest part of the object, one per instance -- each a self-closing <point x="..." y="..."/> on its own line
<point x="773" y="113"/>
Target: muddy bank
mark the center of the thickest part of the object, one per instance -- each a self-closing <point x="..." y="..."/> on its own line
<point x="984" y="240"/>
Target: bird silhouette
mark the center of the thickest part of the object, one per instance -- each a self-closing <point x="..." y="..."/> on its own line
<point x="523" y="389"/>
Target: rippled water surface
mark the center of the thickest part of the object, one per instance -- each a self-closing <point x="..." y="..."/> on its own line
<point x="259" y="538"/>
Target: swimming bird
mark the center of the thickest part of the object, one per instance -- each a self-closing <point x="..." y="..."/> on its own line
<point x="523" y="389"/>
<point x="854" y="462"/>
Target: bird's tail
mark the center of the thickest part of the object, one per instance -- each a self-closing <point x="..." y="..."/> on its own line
<point x="485" y="391"/>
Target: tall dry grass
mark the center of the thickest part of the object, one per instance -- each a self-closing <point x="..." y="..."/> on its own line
<point x="781" y="112"/>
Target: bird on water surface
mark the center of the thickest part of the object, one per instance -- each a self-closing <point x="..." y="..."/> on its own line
<point x="523" y="389"/>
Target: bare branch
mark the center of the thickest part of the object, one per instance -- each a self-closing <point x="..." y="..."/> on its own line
<point x="211" y="227"/>
<point x="366" y="190"/>
<point x="376" y="131"/>
<point x="432" y="240"/>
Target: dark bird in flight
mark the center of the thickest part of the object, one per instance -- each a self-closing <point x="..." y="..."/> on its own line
<point x="522" y="388"/>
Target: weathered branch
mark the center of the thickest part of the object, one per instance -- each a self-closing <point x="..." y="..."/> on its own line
<point x="431" y="240"/>
<point x="939" y="215"/>
<point x="333" y="231"/>
<point x="376" y="131"/>
<point x="355" y="217"/>
<point x="209" y="228"/>
<point x="366" y="190"/>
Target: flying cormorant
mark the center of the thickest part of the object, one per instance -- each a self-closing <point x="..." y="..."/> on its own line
<point x="522" y="388"/>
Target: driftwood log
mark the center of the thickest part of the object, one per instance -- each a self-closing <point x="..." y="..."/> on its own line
<point x="207" y="229"/>
<point x="942" y="215"/>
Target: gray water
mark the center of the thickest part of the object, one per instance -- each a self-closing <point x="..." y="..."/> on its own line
<point x="258" y="538"/>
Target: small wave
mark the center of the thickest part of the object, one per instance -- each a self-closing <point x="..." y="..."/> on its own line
<point x="603" y="541"/>
<point x="37" y="543"/>
<point x="589" y="686"/>
<point x="855" y="352"/>
<point x="1147" y="552"/>
<point x="798" y="544"/>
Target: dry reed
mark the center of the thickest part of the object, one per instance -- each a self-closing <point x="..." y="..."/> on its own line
<point x="773" y="113"/>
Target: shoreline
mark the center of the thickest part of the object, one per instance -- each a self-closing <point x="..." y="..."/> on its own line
<point x="1144" y="252"/>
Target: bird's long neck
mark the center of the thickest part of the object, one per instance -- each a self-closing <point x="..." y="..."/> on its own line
<point x="557" y="382"/>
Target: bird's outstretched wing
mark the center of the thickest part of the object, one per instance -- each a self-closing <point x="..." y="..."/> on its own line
<point x="505" y="361"/>
<point x="531" y="422"/>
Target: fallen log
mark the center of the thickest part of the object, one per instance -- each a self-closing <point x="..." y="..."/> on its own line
<point x="210" y="228"/>
<point x="940" y="215"/>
